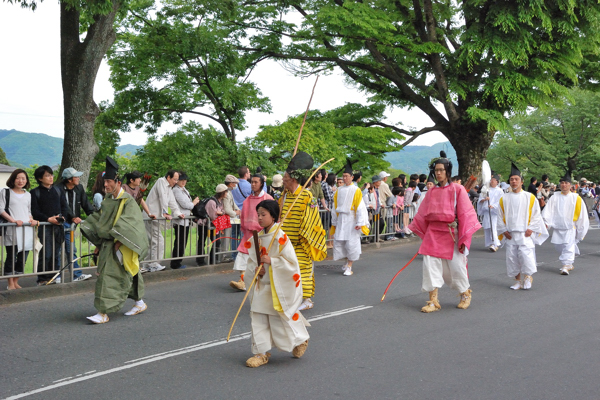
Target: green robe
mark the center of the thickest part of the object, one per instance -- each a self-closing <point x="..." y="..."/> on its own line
<point x="114" y="283"/>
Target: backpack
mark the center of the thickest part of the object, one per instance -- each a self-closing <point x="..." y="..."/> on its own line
<point x="6" y="205"/>
<point x="199" y="210"/>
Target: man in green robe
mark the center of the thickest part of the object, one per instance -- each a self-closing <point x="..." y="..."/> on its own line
<point x="120" y="238"/>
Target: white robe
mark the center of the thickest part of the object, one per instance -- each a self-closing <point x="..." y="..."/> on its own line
<point x="515" y="217"/>
<point x="490" y="215"/>
<point x="286" y="328"/>
<point x="159" y="200"/>
<point x="346" y="239"/>
<point x="559" y="214"/>
<point x="567" y="215"/>
<point x="420" y="200"/>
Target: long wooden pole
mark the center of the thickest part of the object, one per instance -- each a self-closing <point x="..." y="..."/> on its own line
<point x="305" y="114"/>
<point x="271" y="244"/>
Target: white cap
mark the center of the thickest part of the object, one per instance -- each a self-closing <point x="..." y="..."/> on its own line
<point x="221" y="188"/>
<point x="383" y="174"/>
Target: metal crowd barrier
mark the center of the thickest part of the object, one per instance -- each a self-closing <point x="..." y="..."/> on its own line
<point x="202" y="243"/>
<point x="44" y="261"/>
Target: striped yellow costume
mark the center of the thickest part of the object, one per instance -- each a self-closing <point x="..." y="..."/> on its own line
<point x="305" y="231"/>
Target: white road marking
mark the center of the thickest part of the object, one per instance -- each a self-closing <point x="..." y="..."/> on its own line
<point x="165" y="355"/>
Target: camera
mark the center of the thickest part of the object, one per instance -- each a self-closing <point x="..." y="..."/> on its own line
<point x="60" y="219"/>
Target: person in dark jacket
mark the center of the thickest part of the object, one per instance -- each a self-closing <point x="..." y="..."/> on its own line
<point x="532" y="188"/>
<point x="48" y="205"/>
<point x="76" y="200"/>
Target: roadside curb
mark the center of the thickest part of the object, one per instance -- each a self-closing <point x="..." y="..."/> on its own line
<point x="68" y="289"/>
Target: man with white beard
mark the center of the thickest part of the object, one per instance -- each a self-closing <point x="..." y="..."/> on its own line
<point x="487" y="208"/>
<point x="568" y="216"/>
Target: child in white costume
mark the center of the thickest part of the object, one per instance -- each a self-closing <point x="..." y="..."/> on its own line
<point x="349" y="219"/>
<point x="520" y="227"/>
<point x="568" y="216"/>
<point x="277" y="293"/>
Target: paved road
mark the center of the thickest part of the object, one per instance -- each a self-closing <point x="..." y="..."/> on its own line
<point x="537" y="344"/>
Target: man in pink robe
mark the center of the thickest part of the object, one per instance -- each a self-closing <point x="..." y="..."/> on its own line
<point x="446" y="221"/>
<point x="249" y="223"/>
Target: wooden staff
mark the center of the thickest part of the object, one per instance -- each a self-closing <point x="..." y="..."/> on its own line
<point x="305" y="114"/>
<point x="271" y="244"/>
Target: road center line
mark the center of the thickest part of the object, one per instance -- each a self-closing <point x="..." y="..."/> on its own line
<point x="168" y="354"/>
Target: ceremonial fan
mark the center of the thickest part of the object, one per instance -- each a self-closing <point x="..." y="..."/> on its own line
<point x="486" y="177"/>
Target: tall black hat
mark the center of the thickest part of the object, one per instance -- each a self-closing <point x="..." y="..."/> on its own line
<point x="514" y="170"/>
<point x="111" y="171"/>
<point x="442" y="160"/>
<point x="300" y="166"/>
<point x="431" y="178"/>
<point x="496" y="177"/>
<point x="348" y="167"/>
<point x="566" y="178"/>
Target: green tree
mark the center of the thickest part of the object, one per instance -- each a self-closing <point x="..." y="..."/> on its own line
<point x="340" y="133"/>
<point x="565" y="139"/>
<point x="3" y="159"/>
<point x="206" y="155"/>
<point x="86" y="33"/>
<point x="177" y="59"/>
<point x="466" y="65"/>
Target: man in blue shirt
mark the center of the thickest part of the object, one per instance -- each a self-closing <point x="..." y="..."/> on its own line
<point x="243" y="189"/>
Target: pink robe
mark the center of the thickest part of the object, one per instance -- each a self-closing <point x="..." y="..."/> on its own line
<point x="249" y="218"/>
<point x="439" y="208"/>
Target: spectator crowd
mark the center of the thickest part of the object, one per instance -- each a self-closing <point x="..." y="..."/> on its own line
<point x="203" y="230"/>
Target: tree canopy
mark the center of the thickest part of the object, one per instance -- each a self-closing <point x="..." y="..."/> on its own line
<point x="179" y="59"/>
<point x="467" y="64"/>
<point x="204" y="154"/>
<point x="340" y="133"/>
<point x="564" y="139"/>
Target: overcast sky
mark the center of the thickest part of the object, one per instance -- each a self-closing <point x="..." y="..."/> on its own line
<point x="31" y="93"/>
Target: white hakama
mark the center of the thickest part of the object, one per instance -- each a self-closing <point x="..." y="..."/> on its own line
<point x="567" y="215"/>
<point x="241" y="261"/>
<point x="350" y="213"/>
<point x="489" y="216"/>
<point x="284" y="328"/>
<point x="437" y="271"/>
<point x="519" y="212"/>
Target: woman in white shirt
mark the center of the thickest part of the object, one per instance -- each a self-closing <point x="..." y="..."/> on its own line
<point x="17" y="239"/>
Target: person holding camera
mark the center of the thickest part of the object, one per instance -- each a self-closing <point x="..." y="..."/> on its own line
<point x="48" y="204"/>
<point x="77" y="200"/>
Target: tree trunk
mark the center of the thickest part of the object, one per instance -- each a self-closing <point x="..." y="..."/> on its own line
<point x="471" y="142"/>
<point x="79" y="66"/>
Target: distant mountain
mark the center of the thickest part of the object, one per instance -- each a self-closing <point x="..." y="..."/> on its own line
<point x="415" y="159"/>
<point x="128" y="148"/>
<point x="25" y="148"/>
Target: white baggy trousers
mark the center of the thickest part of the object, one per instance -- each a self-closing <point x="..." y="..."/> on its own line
<point x="437" y="271"/>
<point x="269" y="330"/>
